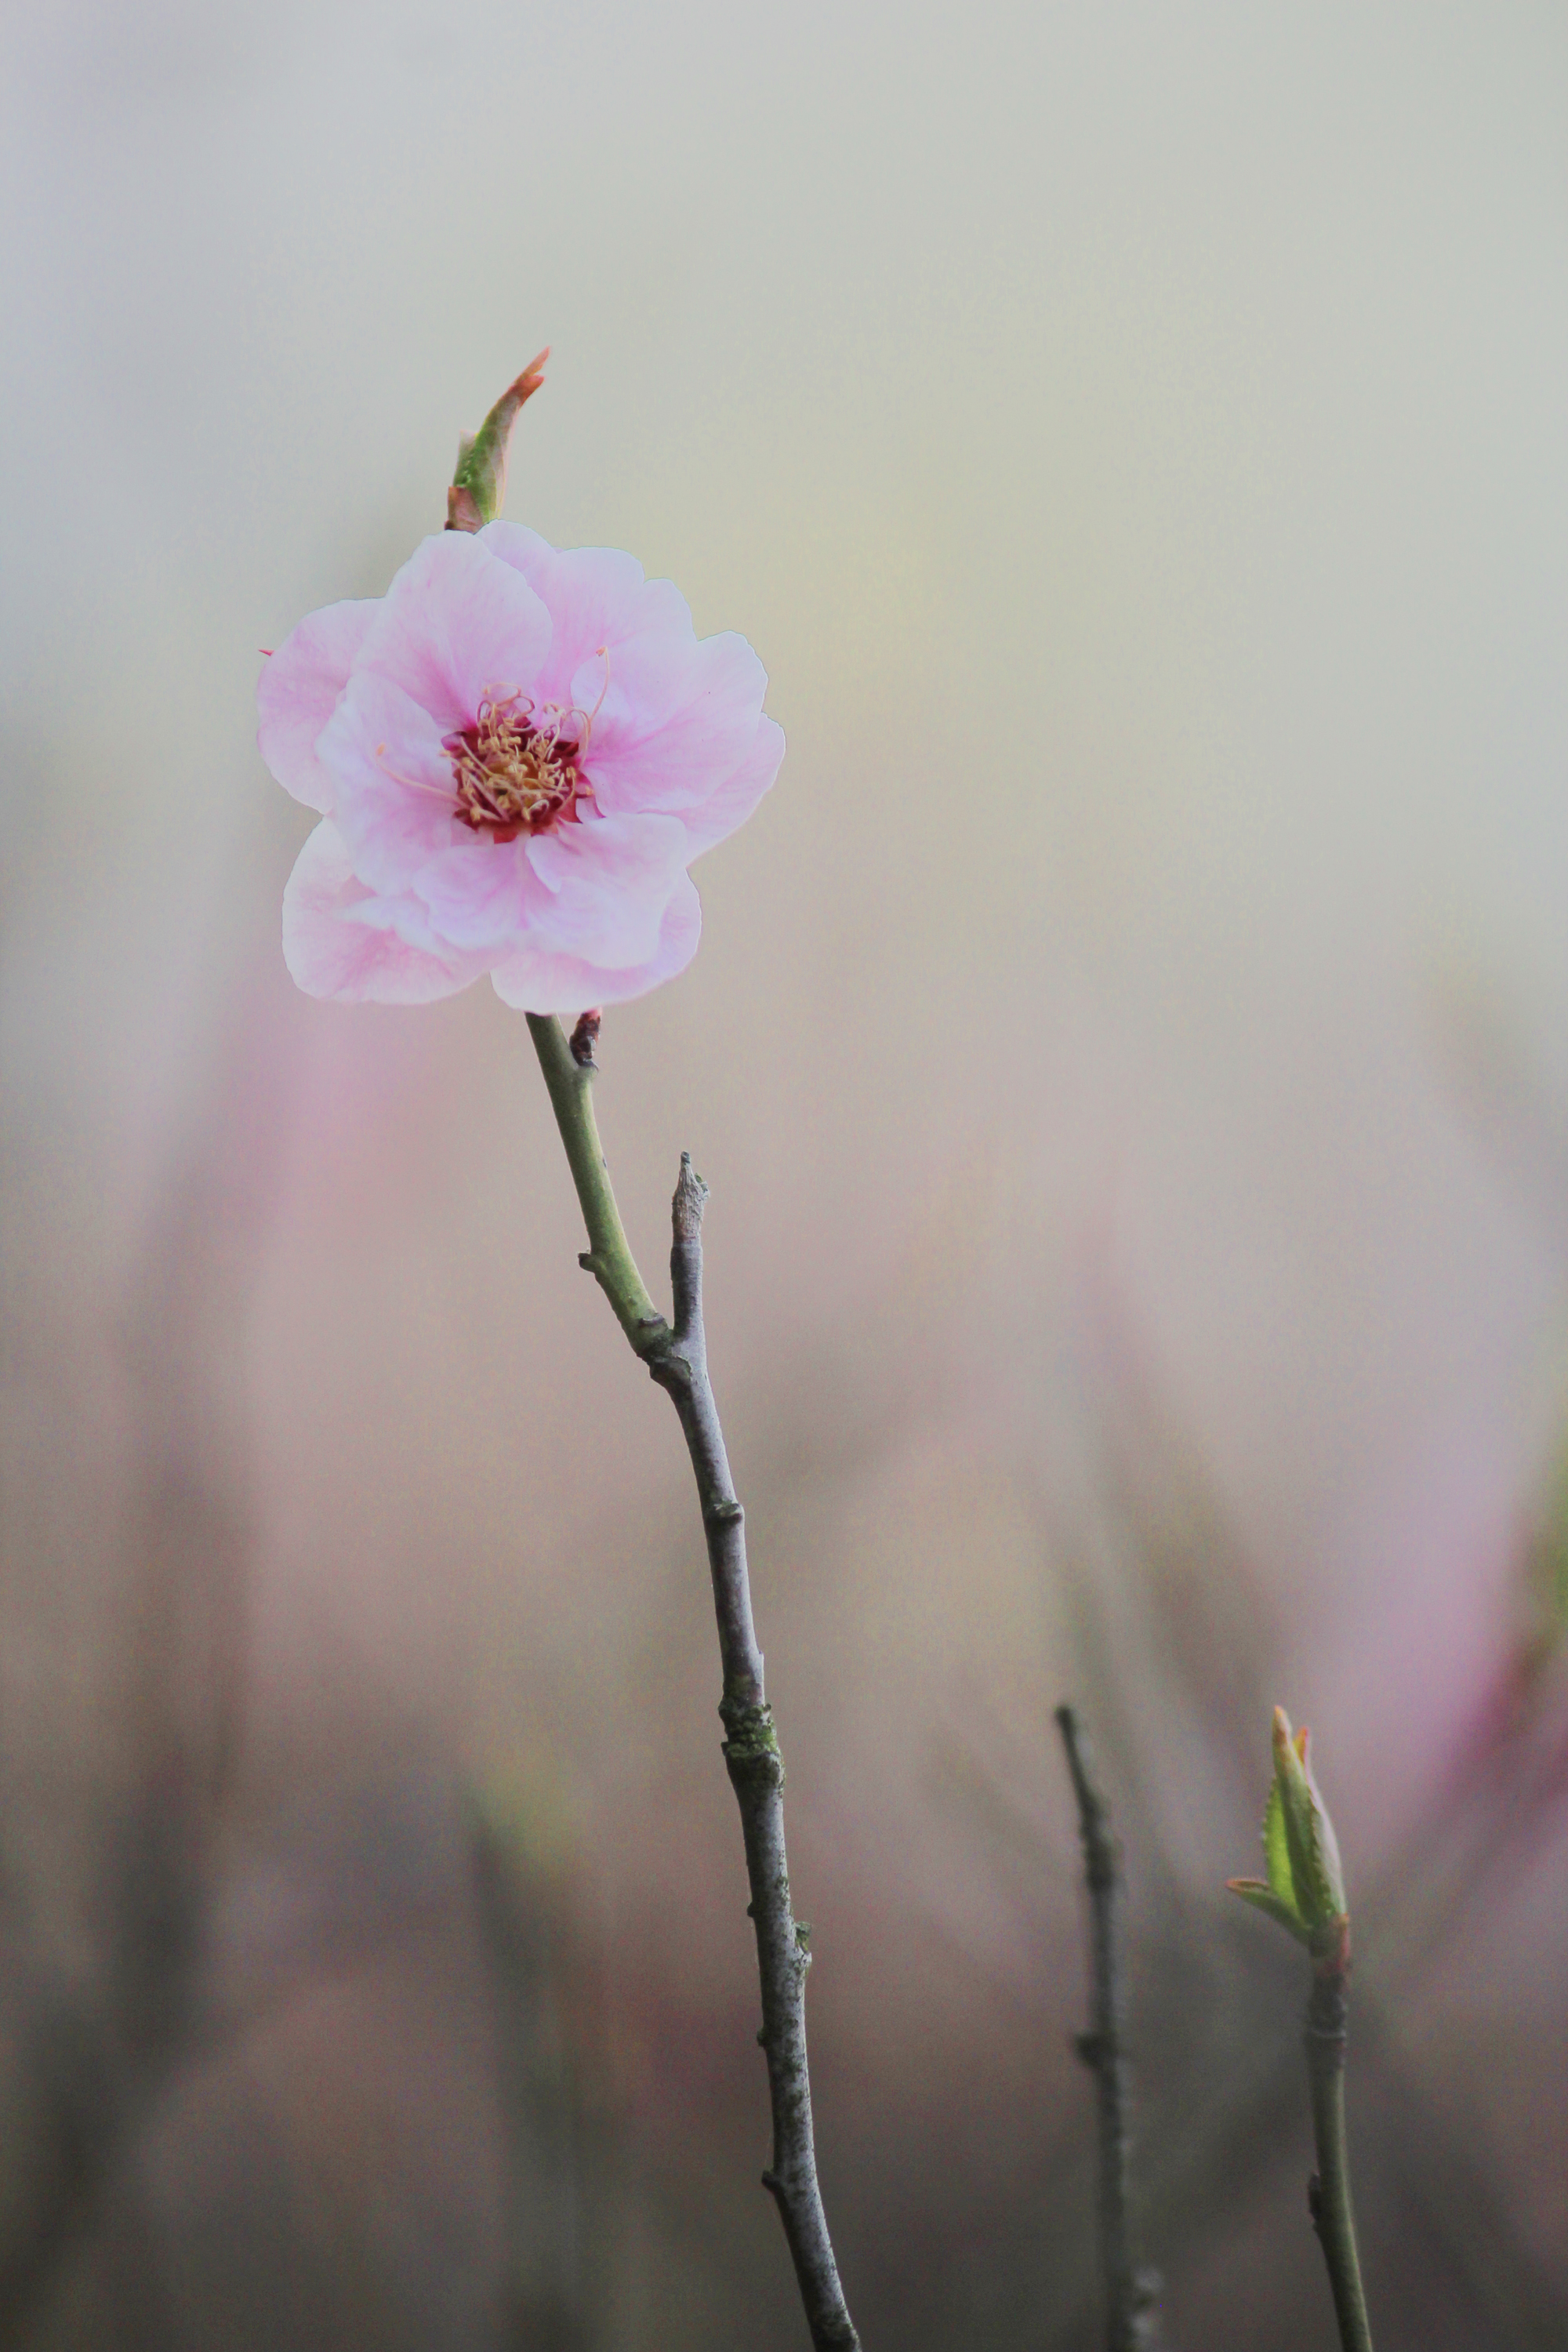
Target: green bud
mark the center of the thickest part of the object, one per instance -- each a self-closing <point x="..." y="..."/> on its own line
<point x="1305" y="1888"/>
<point x="478" y="486"/>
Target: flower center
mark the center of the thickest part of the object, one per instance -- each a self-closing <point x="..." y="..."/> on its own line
<point x="516" y="767"/>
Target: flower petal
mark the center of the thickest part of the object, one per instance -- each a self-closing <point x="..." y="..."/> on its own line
<point x="594" y="596"/>
<point x="480" y="893"/>
<point x="732" y="802"/>
<point x="394" y="797"/>
<point x="456" y="623"/>
<point x="676" y="724"/>
<point x="298" y="691"/>
<point x="606" y="883"/>
<point x="534" y="981"/>
<point x="330" y="953"/>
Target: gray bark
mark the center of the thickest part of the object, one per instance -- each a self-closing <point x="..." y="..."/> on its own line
<point x="1131" y="2322"/>
<point x="757" y="1776"/>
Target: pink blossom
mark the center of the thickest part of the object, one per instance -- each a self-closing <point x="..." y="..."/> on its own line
<point x="516" y="753"/>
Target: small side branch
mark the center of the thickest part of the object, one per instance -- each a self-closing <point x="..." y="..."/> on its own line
<point x="1329" y="2190"/>
<point x="676" y="1358"/>
<point x="1129" y="2291"/>
<point x="681" y="1369"/>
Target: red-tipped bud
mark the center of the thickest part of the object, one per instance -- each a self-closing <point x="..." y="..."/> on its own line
<point x="478" y="486"/>
<point x="1305" y="1888"/>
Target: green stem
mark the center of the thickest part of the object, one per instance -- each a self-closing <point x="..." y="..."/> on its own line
<point x="1329" y="2194"/>
<point x="608" y="1257"/>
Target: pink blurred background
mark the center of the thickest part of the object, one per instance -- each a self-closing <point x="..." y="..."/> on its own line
<point x="1127" y="1054"/>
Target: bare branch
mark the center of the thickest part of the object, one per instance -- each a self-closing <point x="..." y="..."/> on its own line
<point x="676" y="1358"/>
<point x="1131" y="2320"/>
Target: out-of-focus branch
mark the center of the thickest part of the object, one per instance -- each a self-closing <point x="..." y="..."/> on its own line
<point x="1487" y="1817"/>
<point x="108" y="2052"/>
<point x="676" y="1358"/>
<point x="1304" y="1893"/>
<point x="1131" y="2323"/>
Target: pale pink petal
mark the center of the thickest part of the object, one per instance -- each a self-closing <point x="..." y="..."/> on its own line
<point x="409" y="918"/>
<point x="647" y="659"/>
<point x="644" y="672"/>
<point x="394" y="797"/>
<point x="732" y="802"/>
<point x="330" y="953"/>
<point x="480" y="893"/>
<point x="608" y="884"/>
<point x="533" y="981"/>
<point x="456" y="624"/>
<point x="594" y="596"/>
<point x="298" y="691"/>
<point x="712" y="700"/>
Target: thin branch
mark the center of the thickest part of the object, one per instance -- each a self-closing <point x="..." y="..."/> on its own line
<point x="676" y="1358"/>
<point x="1329" y="2190"/>
<point x="1129" y="2291"/>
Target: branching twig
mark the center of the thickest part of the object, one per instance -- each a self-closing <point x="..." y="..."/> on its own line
<point x="1131" y="2320"/>
<point x="677" y="1358"/>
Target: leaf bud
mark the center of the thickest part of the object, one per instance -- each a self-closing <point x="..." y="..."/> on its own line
<point x="1305" y="1888"/>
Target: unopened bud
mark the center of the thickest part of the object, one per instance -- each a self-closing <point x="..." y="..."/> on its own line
<point x="1305" y="1888"/>
<point x="586" y="1037"/>
<point x="478" y="486"/>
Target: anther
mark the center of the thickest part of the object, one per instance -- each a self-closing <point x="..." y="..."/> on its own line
<point x="515" y="769"/>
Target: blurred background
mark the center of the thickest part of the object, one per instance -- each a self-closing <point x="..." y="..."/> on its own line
<point x="1130" y="1054"/>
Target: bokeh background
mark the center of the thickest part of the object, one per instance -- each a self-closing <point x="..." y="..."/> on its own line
<point x="1130" y="1054"/>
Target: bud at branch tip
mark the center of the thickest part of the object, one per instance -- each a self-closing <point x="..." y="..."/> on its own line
<point x="1304" y="1889"/>
<point x="478" y="486"/>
